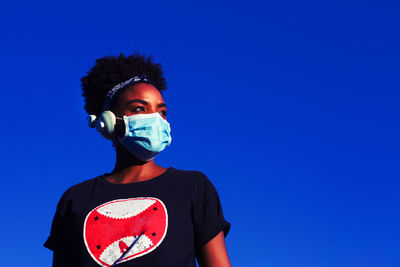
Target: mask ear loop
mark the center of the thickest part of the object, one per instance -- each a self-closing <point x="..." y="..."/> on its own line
<point x="128" y="249"/>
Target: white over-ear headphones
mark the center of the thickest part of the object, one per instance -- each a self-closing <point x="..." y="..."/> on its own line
<point x="105" y="123"/>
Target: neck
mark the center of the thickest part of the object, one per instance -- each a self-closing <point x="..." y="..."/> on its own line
<point x="129" y="169"/>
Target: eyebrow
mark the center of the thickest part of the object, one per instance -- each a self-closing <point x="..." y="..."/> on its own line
<point x="137" y="101"/>
<point x="141" y="101"/>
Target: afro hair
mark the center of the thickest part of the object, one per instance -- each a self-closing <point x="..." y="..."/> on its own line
<point x="110" y="71"/>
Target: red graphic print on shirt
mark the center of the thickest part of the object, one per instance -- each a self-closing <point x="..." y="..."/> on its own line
<point x="112" y="228"/>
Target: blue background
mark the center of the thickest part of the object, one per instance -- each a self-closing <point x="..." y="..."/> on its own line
<point x="290" y="107"/>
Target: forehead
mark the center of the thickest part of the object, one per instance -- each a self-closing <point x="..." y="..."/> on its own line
<point x="140" y="91"/>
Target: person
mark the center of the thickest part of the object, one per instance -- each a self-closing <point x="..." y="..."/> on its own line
<point x="140" y="214"/>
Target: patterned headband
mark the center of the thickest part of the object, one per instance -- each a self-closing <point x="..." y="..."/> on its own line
<point x="114" y="92"/>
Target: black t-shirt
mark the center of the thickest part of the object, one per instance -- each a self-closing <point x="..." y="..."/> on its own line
<point x="164" y="221"/>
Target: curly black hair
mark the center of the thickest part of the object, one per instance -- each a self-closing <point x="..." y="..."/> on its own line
<point x="110" y="71"/>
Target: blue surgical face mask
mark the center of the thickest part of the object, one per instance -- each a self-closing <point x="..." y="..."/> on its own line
<point x="146" y="135"/>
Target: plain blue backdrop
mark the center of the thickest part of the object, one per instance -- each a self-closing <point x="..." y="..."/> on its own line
<point x="290" y="107"/>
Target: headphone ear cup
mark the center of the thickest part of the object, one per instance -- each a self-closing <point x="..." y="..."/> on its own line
<point x="105" y="124"/>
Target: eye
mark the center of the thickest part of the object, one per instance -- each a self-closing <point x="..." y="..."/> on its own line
<point x="163" y="113"/>
<point x="137" y="109"/>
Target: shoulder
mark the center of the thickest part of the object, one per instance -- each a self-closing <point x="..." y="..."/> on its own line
<point x="194" y="181"/>
<point x="81" y="187"/>
<point x="189" y="177"/>
<point x="77" y="191"/>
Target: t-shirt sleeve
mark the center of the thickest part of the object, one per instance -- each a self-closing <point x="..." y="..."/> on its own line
<point x="56" y="240"/>
<point x="209" y="218"/>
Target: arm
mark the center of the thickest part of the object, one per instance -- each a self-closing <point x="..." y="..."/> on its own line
<point x="214" y="253"/>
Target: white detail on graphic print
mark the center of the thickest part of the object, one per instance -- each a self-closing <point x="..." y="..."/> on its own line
<point x="125" y="209"/>
<point x="107" y="245"/>
<point x="113" y="251"/>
